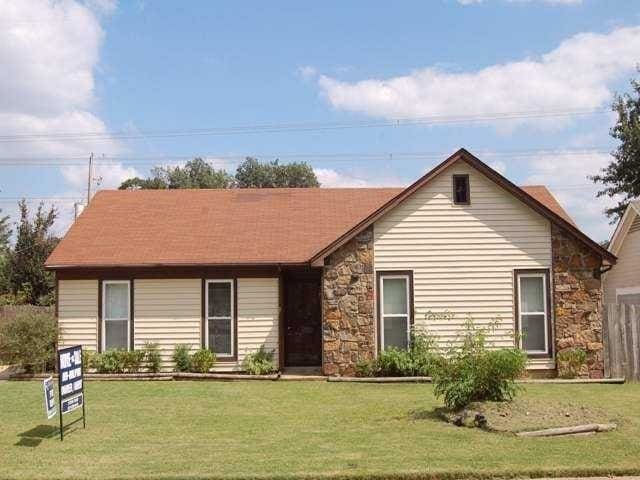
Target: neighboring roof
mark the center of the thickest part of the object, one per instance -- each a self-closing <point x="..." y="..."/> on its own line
<point x="544" y="196"/>
<point x="136" y="228"/>
<point x="464" y="155"/>
<point x="212" y="227"/>
<point x="629" y="218"/>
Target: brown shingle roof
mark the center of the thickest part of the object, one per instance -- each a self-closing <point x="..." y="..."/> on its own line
<point x="223" y="227"/>
<point x="544" y="196"/>
<point x="240" y="226"/>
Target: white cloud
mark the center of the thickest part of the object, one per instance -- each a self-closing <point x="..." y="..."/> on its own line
<point x="499" y="166"/>
<point x="104" y="7"/>
<point x="329" y="177"/>
<point x="49" y="51"/>
<point x="566" y="176"/>
<point x="104" y="175"/>
<point x="307" y="72"/>
<point x="577" y="75"/>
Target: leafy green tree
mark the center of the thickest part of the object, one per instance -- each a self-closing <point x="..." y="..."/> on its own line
<point x="253" y="174"/>
<point x="195" y="174"/>
<point x="622" y="175"/>
<point x="250" y="174"/>
<point x="34" y="243"/>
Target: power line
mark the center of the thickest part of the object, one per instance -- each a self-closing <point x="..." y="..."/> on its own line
<point x="106" y="160"/>
<point x="299" y="127"/>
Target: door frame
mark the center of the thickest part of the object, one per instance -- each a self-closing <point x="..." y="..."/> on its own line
<point x="286" y="278"/>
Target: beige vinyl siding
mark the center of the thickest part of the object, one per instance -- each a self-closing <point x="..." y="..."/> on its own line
<point x="78" y="313"/>
<point x="463" y="256"/>
<point x="168" y="312"/>
<point x="626" y="272"/>
<point x="258" y="312"/>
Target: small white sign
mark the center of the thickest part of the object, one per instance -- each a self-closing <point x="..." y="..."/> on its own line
<point x="49" y="397"/>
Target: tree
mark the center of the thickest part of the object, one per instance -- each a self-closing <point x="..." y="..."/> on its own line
<point x="195" y="174"/>
<point x="34" y="244"/>
<point x="253" y="174"/>
<point x="622" y="175"/>
<point x="5" y="235"/>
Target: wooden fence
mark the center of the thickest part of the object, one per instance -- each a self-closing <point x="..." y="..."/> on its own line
<point x="622" y="341"/>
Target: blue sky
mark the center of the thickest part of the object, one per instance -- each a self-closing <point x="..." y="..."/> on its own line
<point x="136" y="67"/>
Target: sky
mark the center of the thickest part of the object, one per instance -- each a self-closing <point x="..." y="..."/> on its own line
<point x="370" y="93"/>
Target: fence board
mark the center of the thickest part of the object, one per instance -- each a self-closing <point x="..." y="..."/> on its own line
<point x="621" y="339"/>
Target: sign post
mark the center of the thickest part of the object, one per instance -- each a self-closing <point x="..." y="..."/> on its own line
<point x="70" y="383"/>
<point x="49" y="398"/>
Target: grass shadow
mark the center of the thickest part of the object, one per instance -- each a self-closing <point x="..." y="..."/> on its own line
<point x="34" y="437"/>
<point x="435" y="414"/>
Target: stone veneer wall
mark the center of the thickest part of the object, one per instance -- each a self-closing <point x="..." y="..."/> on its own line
<point x="348" y="320"/>
<point x="577" y="299"/>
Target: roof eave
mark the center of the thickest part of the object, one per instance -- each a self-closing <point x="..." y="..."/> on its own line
<point x="86" y="266"/>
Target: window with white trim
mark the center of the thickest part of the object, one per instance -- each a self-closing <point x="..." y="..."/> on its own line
<point x="395" y="305"/>
<point x="116" y="311"/>
<point x="220" y="323"/>
<point x="533" y="312"/>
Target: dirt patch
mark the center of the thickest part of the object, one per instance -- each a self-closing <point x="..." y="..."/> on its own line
<point x="524" y="415"/>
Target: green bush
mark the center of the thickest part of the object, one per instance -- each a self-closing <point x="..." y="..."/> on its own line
<point x="472" y="372"/>
<point x="133" y="360"/>
<point x="182" y="358"/>
<point x="119" y="361"/>
<point x="395" y="362"/>
<point x="152" y="357"/>
<point x="110" y="361"/>
<point x="29" y="340"/>
<point x="570" y="362"/>
<point x="260" y="362"/>
<point x="202" y="360"/>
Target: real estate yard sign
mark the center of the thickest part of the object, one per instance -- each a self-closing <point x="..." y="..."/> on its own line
<point x="49" y="397"/>
<point x="70" y="382"/>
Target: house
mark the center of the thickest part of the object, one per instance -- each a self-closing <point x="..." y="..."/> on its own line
<point x="622" y="283"/>
<point x="329" y="277"/>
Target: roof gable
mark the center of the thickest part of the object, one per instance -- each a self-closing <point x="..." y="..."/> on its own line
<point x="557" y="217"/>
<point x="628" y="222"/>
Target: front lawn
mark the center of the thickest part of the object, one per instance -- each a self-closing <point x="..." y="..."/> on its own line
<point x="249" y="429"/>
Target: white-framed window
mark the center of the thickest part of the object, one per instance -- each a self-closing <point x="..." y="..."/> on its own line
<point x="533" y="312"/>
<point x="116" y="314"/>
<point x="220" y="324"/>
<point x="395" y="310"/>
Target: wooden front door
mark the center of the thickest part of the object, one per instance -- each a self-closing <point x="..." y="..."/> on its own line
<point x="302" y="320"/>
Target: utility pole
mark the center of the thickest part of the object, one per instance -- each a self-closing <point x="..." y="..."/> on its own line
<point x="89" y="178"/>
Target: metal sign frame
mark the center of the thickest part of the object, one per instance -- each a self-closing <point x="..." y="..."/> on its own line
<point x="70" y="383"/>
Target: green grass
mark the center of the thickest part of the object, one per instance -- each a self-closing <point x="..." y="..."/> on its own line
<point x="293" y="429"/>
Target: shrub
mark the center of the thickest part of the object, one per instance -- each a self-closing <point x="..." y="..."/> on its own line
<point x="88" y="358"/>
<point x="260" y="362"/>
<point x="181" y="358"/>
<point x="29" y="340"/>
<point x="110" y="361"/>
<point x="472" y="372"/>
<point x="152" y="357"/>
<point x="570" y="362"/>
<point x="133" y="360"/>
<point x="202" y="360"/>
<point x="395" y="362"/>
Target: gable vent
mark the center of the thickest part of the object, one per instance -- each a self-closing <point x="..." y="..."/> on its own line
<point x="635" y="226"/>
